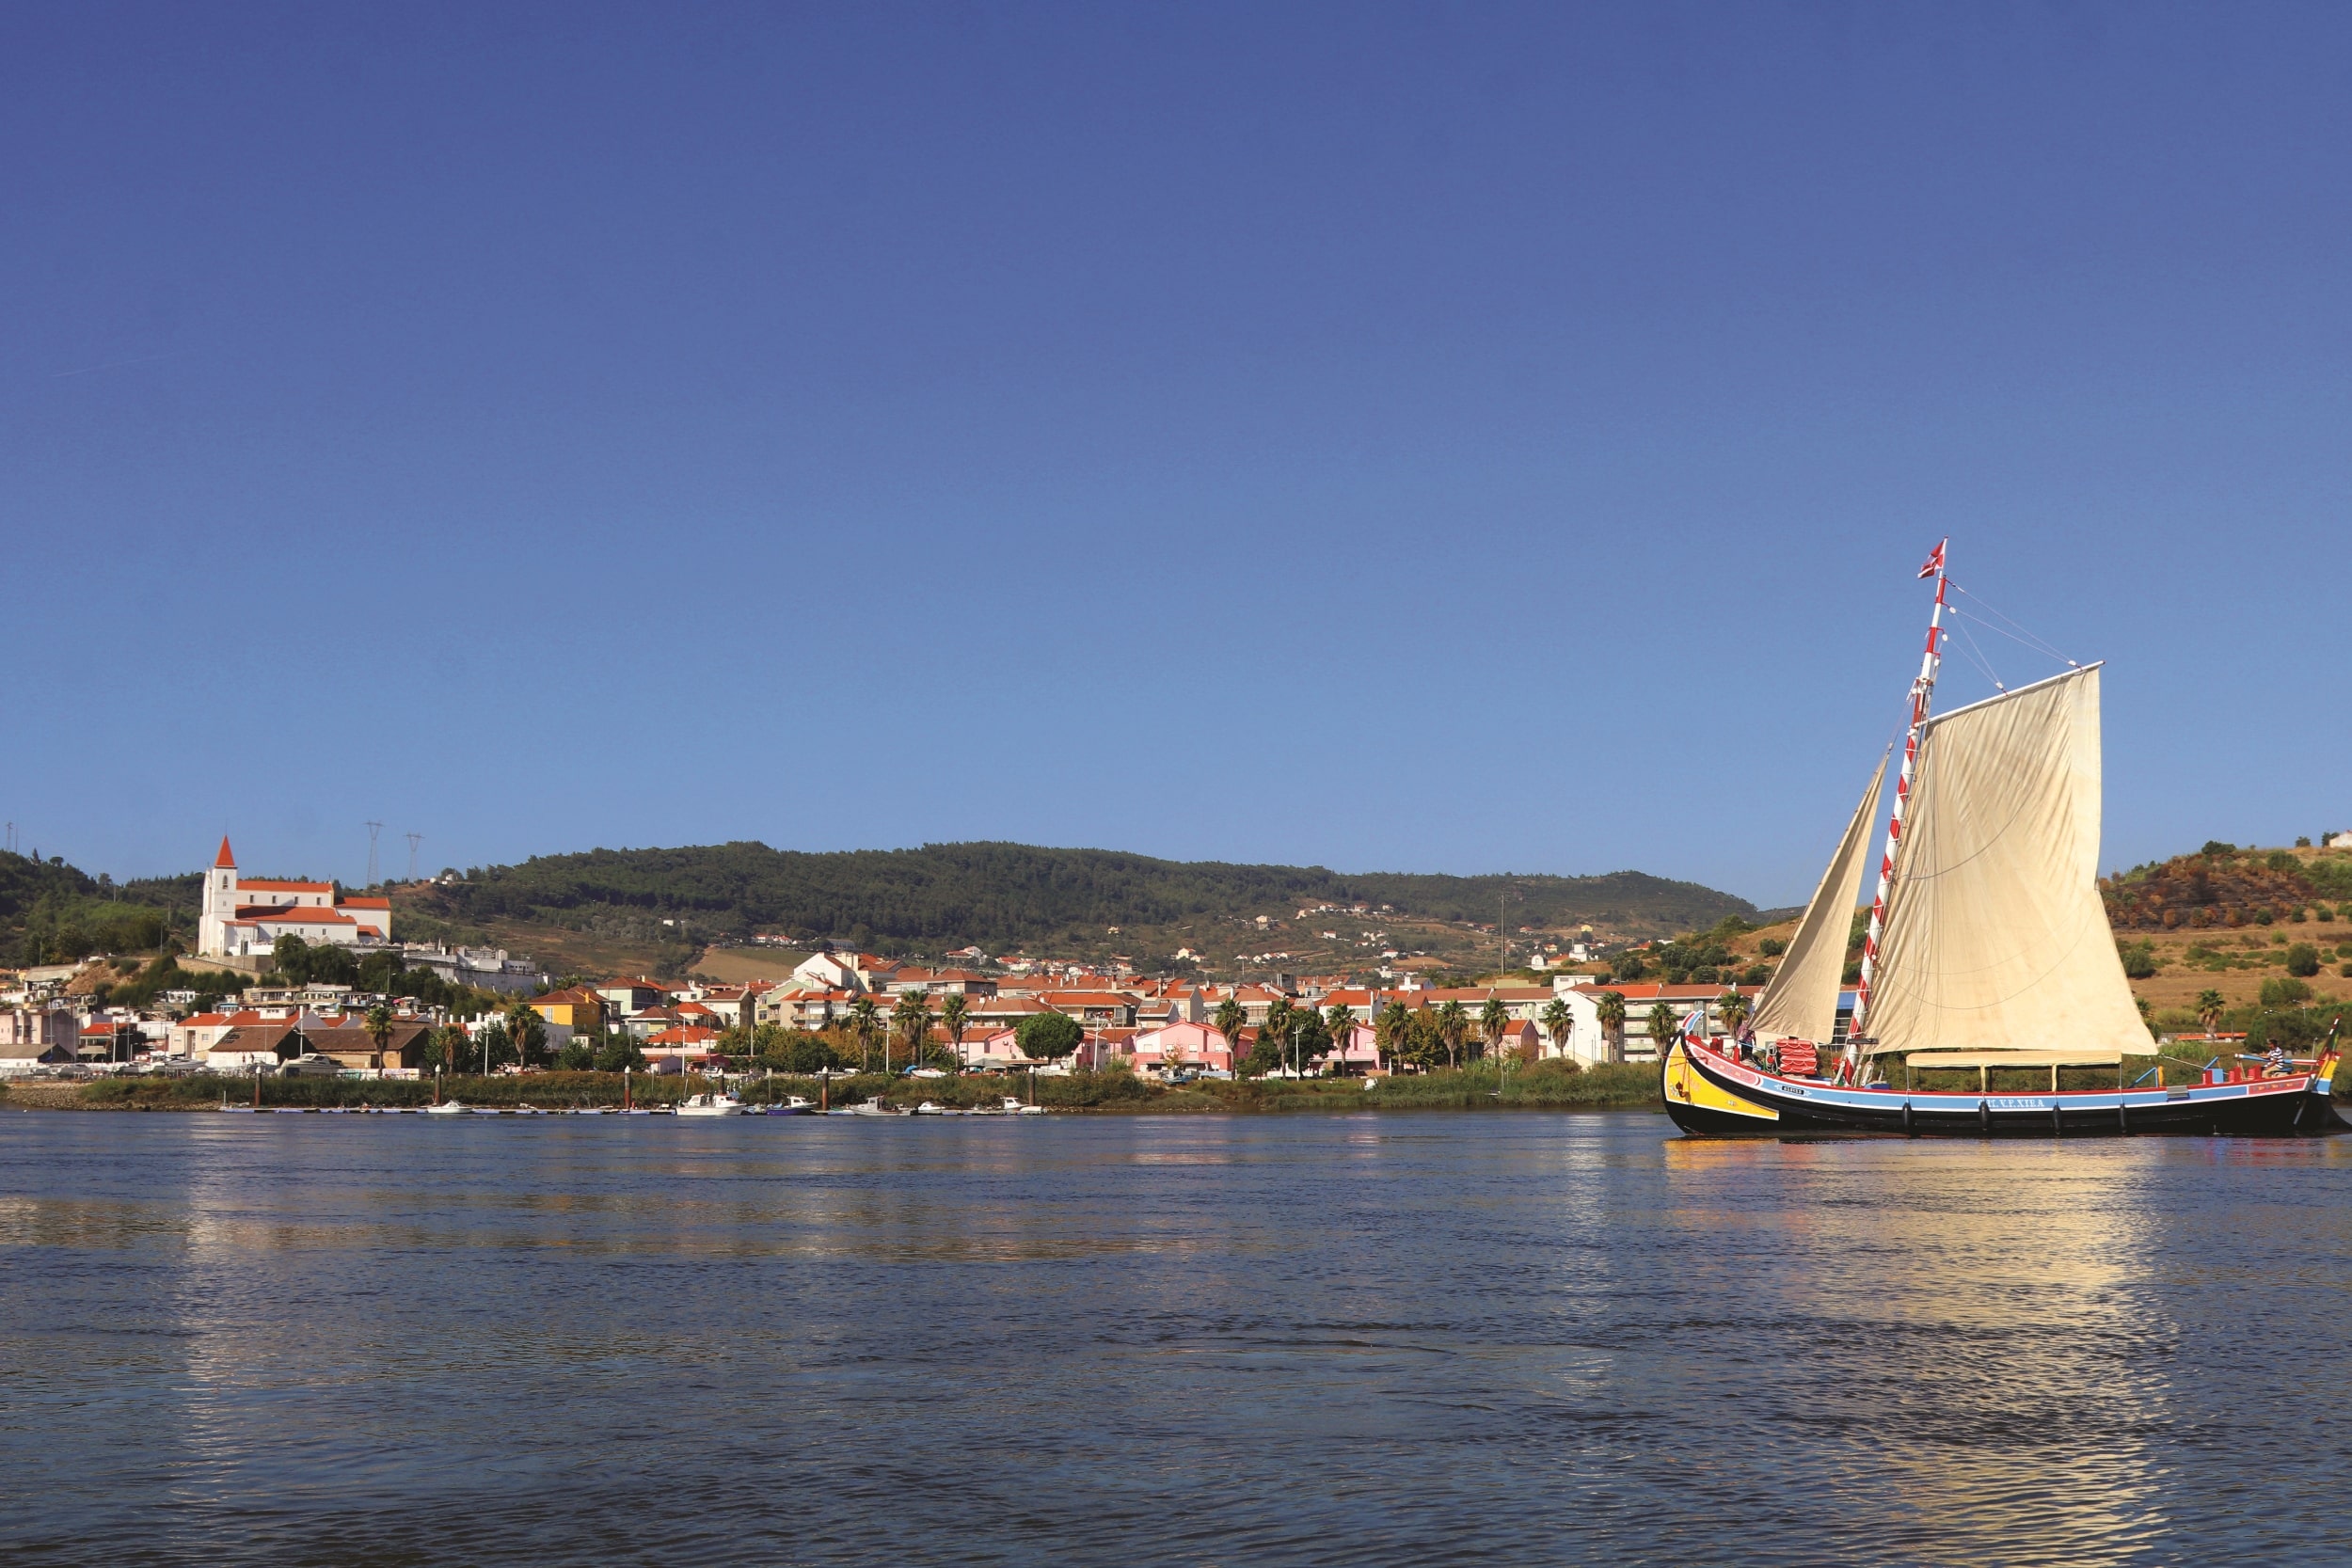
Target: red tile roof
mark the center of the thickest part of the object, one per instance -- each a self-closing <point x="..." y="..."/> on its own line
<point x="224" y="858"/>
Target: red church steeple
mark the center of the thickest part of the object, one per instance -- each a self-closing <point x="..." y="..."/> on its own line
<point x="224" y="860"/>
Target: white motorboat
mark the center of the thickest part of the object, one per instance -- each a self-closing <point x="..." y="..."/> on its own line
<point x="931" y="1108"/>
<point x="710" y="1105"/>
<point x="795" y="1105"/>
<point x="446" y="1108"/>
<point x="1014" y="1108"/>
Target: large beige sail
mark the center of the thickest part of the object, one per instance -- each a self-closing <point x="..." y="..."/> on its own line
<point x="1996" y="937"/>
<point x="1801" y="998"/>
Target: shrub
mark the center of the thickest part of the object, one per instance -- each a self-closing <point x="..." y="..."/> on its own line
<point x="2284" y="993"/>
<point x="2264" y="915"/>
<point x="2139" y="960"/>
<point x="1771" y="947"/>
<point x="2303" y="959"/>
<point x="2299" y="914"/>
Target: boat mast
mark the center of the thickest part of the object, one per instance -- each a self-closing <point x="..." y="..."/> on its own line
<point x="1921" y="689"/>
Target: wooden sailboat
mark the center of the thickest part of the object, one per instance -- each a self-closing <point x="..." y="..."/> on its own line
<point x="1988" y="950"/>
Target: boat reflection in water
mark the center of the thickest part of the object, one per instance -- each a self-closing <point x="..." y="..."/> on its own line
<point x="1993" y="1314"/>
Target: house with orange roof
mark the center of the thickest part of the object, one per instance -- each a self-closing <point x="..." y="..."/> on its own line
<point x="243" y="917"/>
<point x="676" y="1050"/>
<point x="575" y="1008"/>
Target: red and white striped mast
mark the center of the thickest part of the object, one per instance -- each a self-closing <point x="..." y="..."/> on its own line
<point x="1921" y="689"/>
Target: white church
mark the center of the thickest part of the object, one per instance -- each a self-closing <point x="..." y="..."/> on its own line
<point x="244" y="919"/>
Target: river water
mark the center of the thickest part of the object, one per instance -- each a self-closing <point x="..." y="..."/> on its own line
<point x="1378" y="1338"/>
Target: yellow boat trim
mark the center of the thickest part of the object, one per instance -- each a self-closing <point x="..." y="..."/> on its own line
<point x="1685" y="1083"/>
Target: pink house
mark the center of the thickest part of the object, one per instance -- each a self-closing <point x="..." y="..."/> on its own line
<point x="1195" y="1045"/>
<point x="1359" y="1052"/>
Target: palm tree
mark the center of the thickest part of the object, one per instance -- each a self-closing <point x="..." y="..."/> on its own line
<point x="1732" y="1008"/>
<point x="379" y="1027"/>
<point x="954" y="1014"/>
<point x="1452" y="1028"/>
<point x="1389" y="1031"/>
<point x="1663" y="1025"/>
<point x="2209" y="1010"/>
<point x="1494" y="1021"/>
<point x="1229" y="1017"/>
<point x="1342" y="1023"/>
<point x="526" y="1030"/>
<point x="1559" y="1021"/>
<point x="913" y="1016"/>
<point x="1609" y="1007"/>
<point x="864" y="1017"/>
<point x="1277" y="1020"/>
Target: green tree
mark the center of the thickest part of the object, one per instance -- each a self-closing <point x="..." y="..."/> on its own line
<point x="805" y="1052"/>
<point x="1389" y="1030"/>
<point x="1278" y="1019"/>
<point x="866" y="1022"/>
<point x="1229" y="1018"/>
<point x="1049" y="1037"/>
<point x="1454" y="1022"/>
<point x="2209" y="1010"/>
<point x="1663" y="1025"/>
<point x="1339" y="1025"/>
<point x="1609" y="1009"/>
<point x="912" y="1018"/>
<point x="1494" y="1020"/>
<point x="1309" y="1040"/>
<point x="1732" y="1008"/>
<point x="1559" y="1021"/>
<point x="526" y="1032"/>
<point x="2284" y="993"/>
<point x="955" y="1012"/>
<point x="619" y="1052"/>
<point x="2303" y="960"/>
<point x="379" y="1027"/>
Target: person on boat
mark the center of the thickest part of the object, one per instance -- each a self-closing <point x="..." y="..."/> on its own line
<point x="2275" y="1062"/>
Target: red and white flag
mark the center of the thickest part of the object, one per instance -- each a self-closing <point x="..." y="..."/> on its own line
<point x="1935" y="561"/>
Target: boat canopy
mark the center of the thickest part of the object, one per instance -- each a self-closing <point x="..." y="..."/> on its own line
<point x="1928" y="1059"/>
<point x="1996" y="931"/>
<point x="1801" y="998"/>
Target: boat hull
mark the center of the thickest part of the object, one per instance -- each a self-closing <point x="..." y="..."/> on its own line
<point x="1710" y="1096"/>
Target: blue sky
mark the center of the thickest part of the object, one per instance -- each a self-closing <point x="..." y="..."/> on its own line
<point x="1394" y="437"/>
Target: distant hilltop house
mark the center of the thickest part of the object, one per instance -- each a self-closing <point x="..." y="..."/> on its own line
<point x="244" y="919"/>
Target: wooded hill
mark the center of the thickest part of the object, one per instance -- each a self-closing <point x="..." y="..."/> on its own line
<point x="1001" y="896"/>
<point x="2222" y="885"/>
<point x="51" y="912"/>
